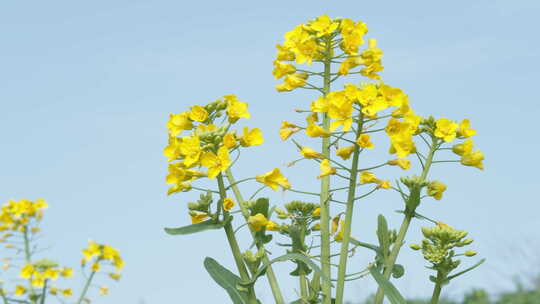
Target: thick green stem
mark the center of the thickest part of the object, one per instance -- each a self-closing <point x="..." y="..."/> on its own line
<point x="303" y="285"/>
<point x="86" y="286"/>
<point x="342" y="268"/>
<point x="409" y="214"/>
<point x="326" y="285"/>
<point x="233" y="243"/>
<point x="276" y="291"/>
<point x="436" y="293"/>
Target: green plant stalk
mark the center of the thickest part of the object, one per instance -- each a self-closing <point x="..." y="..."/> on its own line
<point x="28" y="259"/>
<point x="270" y="274"/>
<point x="44" y="292"/>
<point x="326" y="285"/>
<point x="86" y="286"/>
<point x="303" y="285"/>
<point x="436" y="293"/>
<point x="389" y="263"/>
<point x="233" y="243"/>
<point x="4" y="299"/>
<point x="343" y="255"/>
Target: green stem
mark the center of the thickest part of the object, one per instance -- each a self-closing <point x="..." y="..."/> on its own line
<point x="28" y="259"/>
<point x="326" y="285"/>
<point x="233" y="243"/>
<point x="303" y="285"/>
<point x="44" y="292"/>
<point x="86" y="286"/>
<point x="438" y="287"/>
<point x="272" y="280"/>
<point x="409" y="214"/>
<point x="342" y="269"/>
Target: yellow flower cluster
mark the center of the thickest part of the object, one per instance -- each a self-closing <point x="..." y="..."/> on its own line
<point x="43" y="270"/>
<point x="16" y="215"/>
<point x="208" y="145"/>
<point x="308" y="42"/>
<point x="100" y="253"/>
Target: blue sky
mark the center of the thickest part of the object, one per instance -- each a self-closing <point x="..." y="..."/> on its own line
<point x="87" y="87"/>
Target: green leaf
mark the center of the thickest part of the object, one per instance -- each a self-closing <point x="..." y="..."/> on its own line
<point x="398" y="271"/>
<point x="206" y="225"/>
<point x="466" y="270"/>
<point x="287" y="257"/>
<point x="356" y="242"/>
<point x="389" y="289"/>
<point x="226" y="279"/>
<point x="261" y="206"/>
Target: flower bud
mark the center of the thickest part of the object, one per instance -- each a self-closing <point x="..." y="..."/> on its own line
<point x="470" y="253"/>
<point x="415" y="247"/>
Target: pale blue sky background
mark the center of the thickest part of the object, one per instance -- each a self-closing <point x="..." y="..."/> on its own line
<point x="86" y="89"/>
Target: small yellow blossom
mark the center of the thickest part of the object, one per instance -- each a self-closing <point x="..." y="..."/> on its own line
<point x="272" y="226"/>
<point x="326" y="169"/>
<point x="307" y="152"/>
<point x="384" y="184"/>
<point x="20" y="290"/>
<point x="95" y="267"/>
<point x="465" y="130"/>
<point x="292" y="81"/>
<point x="464" y="148"/>
<point x="317" y="212"/>
<point x="236" y="109"/>
<point x="27" y="271"/>
<point x="436" y="189"/>
<point x="367" y="177"/>
<point x="228" y="204"/>
<point x="67" y="292"/>
<point x="339" y="236"/>
<point x="198" y="113"/>
<point x="251" y="138"/>
<point x="364" y="141"/>
<point x="284" y="54"/>
<point x="445" y="129"/>
<point x="314" y="130"/>
<point x="257" y="222"/>
<point x="403" y="163"/>
<point x="103" y="290"/>
<point x="190" y="148"/>
<point x="229" y="140"/>
<point x="178" y="123"/>
<point x="345" y="152"/>
<point x="114" y="276"/>
<point x="66" y="272"/>
<point x="282" y="69"/>
<point x="197" y="218"/>
<point x="53" y="290"/>
<point x="273" y="179"/>
<point x="287" y="129"/>
<point x="216" y="163"/>
<point x="473" y="159"/>
<point x="323" y="26"/>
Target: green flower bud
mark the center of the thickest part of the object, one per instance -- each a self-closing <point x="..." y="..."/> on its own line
<point x="470" y="253"/>
<point x="415" y="247"/>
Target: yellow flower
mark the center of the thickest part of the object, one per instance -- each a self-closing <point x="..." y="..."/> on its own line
<point x="436" y="189"/>
<point x="20" y="290"/>
<point x="314" y="130"/>
<point x="236" y="109"/>
<point x="67" y="292"/>
<point x="302" y="44"/>
<point x="103" y="291"/>
<point x="27" y="271"/>
<point x="257" y="222"/>
<point x="53" y="290"/>
<point x="114" y="276"/>
<point x="339" y="236"/>
<point x="473" y="159"/>
<point x="251" y="138"/>
<point x="292" y="81"/>
<point x="284" y="54"/>
<point x="190" y="148"/>
<point x="367" y="177"/>
<point x="198" y="113"/>
<point x="352" y="34"/>
<point x="216" y="163"/>
<point x="95" y="267"/>
<point x="445" y="129"/>
<point x="229" y="140"/>
<point x="371" y="59"/>
<point x="228" y="204"/>
<point x="335" y="223"/>
<point x="287" y="129"/>
<point x="273" y="179"/>
<point x="307" y="152"/>
<point x="66" y="272"/>
<point x="340" y="108"/>
<point x="320" y="105"/>
<point x="403" y="163"/>
<point x="323" y="25"/>
<point x="179" y="122"/>
<point x="465" y="130"/>
<point x="384" y="184"/>
<point x="463" y="148"/>
<point x="172" y="151"/>
<point x="364" y="141"/>
<point x="50" y="273"/>
<point x="348" y="64"/>
<point x="199" y="217"/>
<point x="345" y="152"/>
<point x="282" y="69"/>
<point x="272" y="226"/>
<point x="317" y="212"/>
<point x="326" y="169"/>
